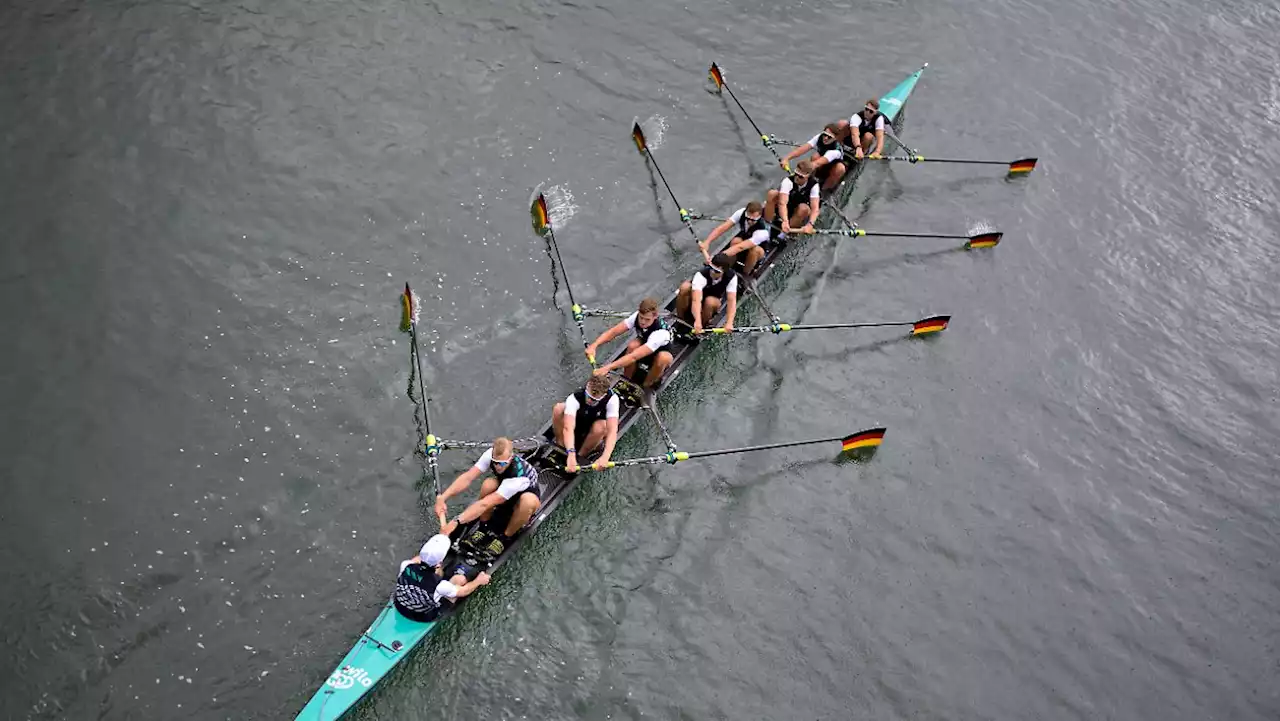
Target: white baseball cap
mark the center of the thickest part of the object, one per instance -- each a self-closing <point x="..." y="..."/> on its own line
<point x="435" y="549"/>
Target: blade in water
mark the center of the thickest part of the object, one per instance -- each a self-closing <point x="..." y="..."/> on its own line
<point x="408" y="310"/>
<point x="864" y="439"/>
<point x="930" y="325"/>
<point x="541" y="218"/>
<point x="984" y="240"/>
<point x="637" y="135"/>
<point x="716" y="77"/>
<point x="1020" y="167"/>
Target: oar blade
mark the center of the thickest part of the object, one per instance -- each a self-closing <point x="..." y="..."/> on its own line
<point x="406" y="310"/>
<point x="930" y="325"/>
<point x="637" y="136"/>
<point x="541" y="218"/>
<point x="1022" y="167"/>
<point x="983" y="240"/>
<point x="716" y="77"/>
<point x="863" y="440"/>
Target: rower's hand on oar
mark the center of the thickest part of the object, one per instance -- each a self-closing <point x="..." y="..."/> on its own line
<point x="807" y="229"/>
<point x="858" y="153"/>
<point x="482" y="579"/>
<point x="442" y="508"/>
<point x="450" y="527"/>
<point x="590" y="352"/>
<point x="785" y="165"/>
<point x="728" y="326"/>
<point x="601" y="371"/>
<point x="697" y="327"/>
<point x="874" y="156"/>
<point x="600" y="464"/>
<point x="571" y="465"/>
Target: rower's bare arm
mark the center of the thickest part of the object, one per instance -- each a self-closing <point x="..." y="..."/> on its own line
<point x="782" y="212"/>
<point x="696" y="308"/>
<point x="567" y="427"/>
<point x="796" y="153"/>
<point x="879" y="141"/>
<point x="731" y="308"/>
<point x="814" y="207"/>
<point x="467" y="588"/>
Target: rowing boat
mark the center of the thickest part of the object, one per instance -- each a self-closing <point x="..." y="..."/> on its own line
<point x="391" y="637"/>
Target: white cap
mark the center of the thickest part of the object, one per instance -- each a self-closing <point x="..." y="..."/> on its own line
<point x="435" y="549"/>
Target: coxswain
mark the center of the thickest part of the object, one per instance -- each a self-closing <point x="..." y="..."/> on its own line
<point x="650" y="337"/>
<point x="586" y="420"/>
<point x="828" y="149"/>
<point x="750" y="233"/>
<point x="421" y="587"/>
<point x="869" y="126"/>
<point x="508" y="498"/>
<point x="795" y="202"/>
<point x="714" y="286"/>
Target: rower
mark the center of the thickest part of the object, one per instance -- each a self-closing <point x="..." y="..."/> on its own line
<point x="828" y="148"/>
<point x="795" y="201"/>
<point x="585" y="420"/>
<point x="651" y="337"/>
<point x="868" y="125"/>
<point x="700" y="298"/>
<point x="751" y="232"/>
<point x="508" y="498"/>
<point x="421" y="587"/>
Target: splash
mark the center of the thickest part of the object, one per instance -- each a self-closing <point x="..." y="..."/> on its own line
<point x="977" y="227"/>
<point x="655" y="130"/>
<point x="560" y="205"/>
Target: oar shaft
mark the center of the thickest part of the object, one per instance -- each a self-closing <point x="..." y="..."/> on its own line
<point x="764" y="137"/>
<point x="432" y="448"/>
<point x="785" y="327"/>
<point x="577" y="310"/>
<point x="684" y="214"/>
<point x="921" y="159"/>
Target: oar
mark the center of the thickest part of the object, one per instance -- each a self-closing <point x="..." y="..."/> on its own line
<point x="1016" y="167"/>
<point x="542" y="226"/>
<point x="869" y="438"/>
<point x="409" y="317"/>
<point x="637" y="135"/>
<point x="924" y="326"/>
<point x="717" y="77"/>
<point x="980" y="240"/>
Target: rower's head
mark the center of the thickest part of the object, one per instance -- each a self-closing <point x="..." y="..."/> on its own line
<point x="803" y="170"/>
<point x="597" y="389"/>
<point x="871" y="108"/>
<point x="832" y="131"/>
<point x="435" y="549"/>
<point x="502" y="453"/>
<point x="753" y="211"/>
<point x="647" y="313"/>
<point x="720" y="262"/>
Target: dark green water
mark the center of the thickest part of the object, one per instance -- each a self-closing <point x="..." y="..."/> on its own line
<point x="207" y="212"/>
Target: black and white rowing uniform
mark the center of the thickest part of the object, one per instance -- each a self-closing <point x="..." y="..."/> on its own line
<point x="420" y="591"/>
<point x="656" y="336"/>
<point x="798" y="195"/>
<point x="518" y="477"/>
<point x="867" y="126"/>
<point x="728" y="283"/>
<point x="831" y="151"/>
<point x="757" y="231"/>
<point x="585" y="414"/>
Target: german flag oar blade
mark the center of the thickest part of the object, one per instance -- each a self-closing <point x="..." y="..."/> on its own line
<point x="716" y="77"/>
<point x="637" y="135"/>
<point x="932" y="324"/>
<point x="541" y="218"/>
<point x="406" y="309"/>
<point x="983" y="240"/>
<point x="1021" y="167"/>
<point x="869" y="438"/>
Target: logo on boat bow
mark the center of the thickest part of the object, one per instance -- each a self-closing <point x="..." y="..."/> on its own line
<point x="346" y="677"/>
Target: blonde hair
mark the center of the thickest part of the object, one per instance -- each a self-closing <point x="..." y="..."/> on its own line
<point x="502" y="446"/>
<point x="598" y="385"/>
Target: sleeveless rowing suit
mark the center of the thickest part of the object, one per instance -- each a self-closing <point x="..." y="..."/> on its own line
<point x="588" y="414"/>
<point x="519" y="468"/>
<point x="716" y="289"/>
<point x="869" y="126"/>
<point x="800" y="194"/>
<point x="747" y="227"/>
<point x="414" y="596"/>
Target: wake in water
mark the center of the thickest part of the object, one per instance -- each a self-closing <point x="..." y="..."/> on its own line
<point x="655" y="130"/>
<point x="560" y="205"/>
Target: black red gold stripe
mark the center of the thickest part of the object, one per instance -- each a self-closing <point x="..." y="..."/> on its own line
<point x="637" y="135"/>
<point x="864" y="439"/>
<point x="930" y="325"/>
<point x="985" y="240"/>
<point x="1026" y="165"/>
<point x="716" y="76"/>
<point x="541" y="218"/>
